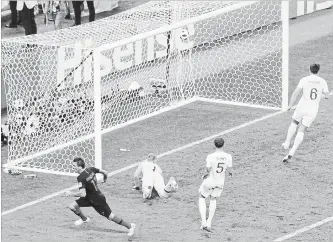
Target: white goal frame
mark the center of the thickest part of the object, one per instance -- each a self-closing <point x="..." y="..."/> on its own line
<point x="97" y="135"/>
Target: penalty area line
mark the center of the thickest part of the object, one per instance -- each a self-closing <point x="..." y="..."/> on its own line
<point x="307" y="228"/>
<point x="159" y="156"/>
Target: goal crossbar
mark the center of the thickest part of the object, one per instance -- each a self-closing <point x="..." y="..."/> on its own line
<point x="174" y="26"/>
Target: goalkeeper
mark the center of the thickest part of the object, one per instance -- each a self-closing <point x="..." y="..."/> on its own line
<point x="152" y="178"/>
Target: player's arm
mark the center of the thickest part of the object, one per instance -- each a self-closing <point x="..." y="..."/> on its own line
<point x="230" y="169"/>
<point x="326" y="91"/>
<point x="103" y="172"/>
<point x="207" y="173"/>
<point x="208" y="168"/>
<point x="80" y="193"/>
<point x="326" y="95"/>
<point x="294" y="97"/>
<point x="137" y="175"/>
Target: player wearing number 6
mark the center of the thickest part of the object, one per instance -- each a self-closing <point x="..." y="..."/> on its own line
<point x="306" y="111"/>
<point x="216" y="164"/>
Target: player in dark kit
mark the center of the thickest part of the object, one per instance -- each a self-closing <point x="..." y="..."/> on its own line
<point x="91" y="196"/>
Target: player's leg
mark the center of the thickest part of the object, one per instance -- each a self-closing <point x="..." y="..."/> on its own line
<point x="171" y="186"/>
<point x="147" y="187"/>
<point x="120" y="221"/>
<point x="307" y="120"/>
<point x="298" y="140"/>
<point x="103" y="208"/>
<point x="76" y="208"/>
<point x="159" y="185"/>
<point x="204" y="193"/>
<point x="212" y="206"/>
<point x="292" y="129"/>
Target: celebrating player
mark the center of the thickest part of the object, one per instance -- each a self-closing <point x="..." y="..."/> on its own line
<point x="91" y="196"/>
<point x="152" y="178"/>
<point x="306" y="111"/>
<point x="216" y="164"/>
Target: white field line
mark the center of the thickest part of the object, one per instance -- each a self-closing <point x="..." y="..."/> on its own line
<point x="134" y="165"/>
<point x="312" y="226"/>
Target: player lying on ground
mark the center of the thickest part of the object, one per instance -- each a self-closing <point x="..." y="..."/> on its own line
<point x="216" y="164"/>
<point x="152" y="178"/>
<point x="91" y="196"/>
<point x="306" y="111"/>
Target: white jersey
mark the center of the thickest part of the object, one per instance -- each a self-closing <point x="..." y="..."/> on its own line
<point x="148" y="169"/>
<point x="313" y="87"/>
<point x="218" y="161"/>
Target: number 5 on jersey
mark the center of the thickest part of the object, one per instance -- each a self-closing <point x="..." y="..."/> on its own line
<point x="220" y="167"/>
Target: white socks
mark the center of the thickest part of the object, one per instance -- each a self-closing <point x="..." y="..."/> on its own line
<point x="291" y="131"/>
<point x="212" y="208"/>
<point x="297" y="142"/>
<point x="202" y="209"/>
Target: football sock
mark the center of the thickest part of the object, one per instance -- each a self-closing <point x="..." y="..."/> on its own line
<point x="202" y="209"/>
<point x="120" y="221"/>
<point x="298" y="141"/>
<point x="79" y="213"/>
<point x="291" y="132"/>
<point x="212" y="208"/>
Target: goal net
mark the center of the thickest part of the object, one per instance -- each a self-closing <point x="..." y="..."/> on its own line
<point x="67" y="88"/>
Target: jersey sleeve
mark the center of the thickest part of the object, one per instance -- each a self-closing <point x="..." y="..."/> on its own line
<point x="94" y="169"/>
<point x="325" y="87"/>
<point x="208" y="161"/>
<point x="230" y="161"/>
<point x="301" y="83"/>
<point x="158" y="169"/>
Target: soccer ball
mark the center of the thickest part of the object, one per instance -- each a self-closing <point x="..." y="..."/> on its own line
<point x="99" y="178"/>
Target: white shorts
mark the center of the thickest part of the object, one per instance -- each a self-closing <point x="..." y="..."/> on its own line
<point x="156" y="181"/>
<point x="209" y="187"/>
<point x="304" y="116"/>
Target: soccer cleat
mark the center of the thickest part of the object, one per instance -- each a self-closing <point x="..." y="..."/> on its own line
<point x="287" y="158"/>
<point x="209" y="225"/>
<point x="131" y="230"/>
<point x="205" y="227"/>
<point x="173" y="184"/>
<point x="80" y="221"/>
<point x="285" y="146"/>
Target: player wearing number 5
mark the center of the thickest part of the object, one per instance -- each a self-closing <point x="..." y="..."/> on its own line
<point x="306" y="111"/>
<point x="216" y="164"/>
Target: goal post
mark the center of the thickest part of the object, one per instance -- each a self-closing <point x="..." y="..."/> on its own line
<point x="149" y="60"/>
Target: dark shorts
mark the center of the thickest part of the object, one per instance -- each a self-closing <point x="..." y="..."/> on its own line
<point x="98" y="202"/>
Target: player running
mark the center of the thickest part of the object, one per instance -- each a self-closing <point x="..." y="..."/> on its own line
<point x="306" y="111"/>
<point x="216" y="164"/>
<point x="91" y="196"/>
<point x="152" y="178"/>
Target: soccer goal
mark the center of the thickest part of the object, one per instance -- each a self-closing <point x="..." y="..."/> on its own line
<point x="67" y="88"/>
